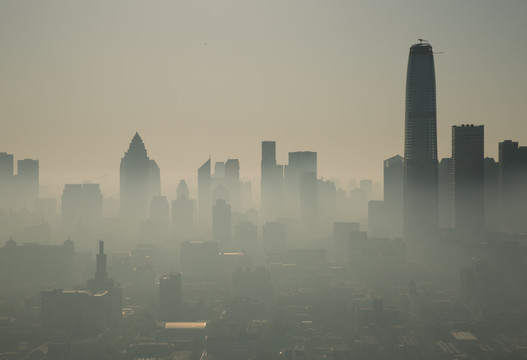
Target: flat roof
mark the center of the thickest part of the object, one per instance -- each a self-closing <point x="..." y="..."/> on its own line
<point x="195" y="325"/>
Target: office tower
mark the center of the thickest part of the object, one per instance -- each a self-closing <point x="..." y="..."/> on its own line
<point x="6" y="180"/>
<point x="100" y="282"/>
<point x="327" y="199"/>
<point x="492" y="186"/>
<point x="182" y="189"/>
<point x="420" y="146"/>
<point x="204" y="193"/>
<point x="154" y="179"/>
<point x="81" y="203"/>
<point x="273" y="236"/>
<point x="139" y="180"/>
<point x="246" y="237"/>
<point x="513" y="186"/>
<point x="170" y="298"/>
<point x="444" y="185"/>
<point x="183" y="212"/>
<point x="221" y="224"/>
<point x="27" y="182"/>
<point x="301" y="184"/>
<point x="393" y="174"/>
<point x="468" y="190"/>
<point x="272" y="179"/>
<point x="219" y="169"/>
<point x="232" y="182"/>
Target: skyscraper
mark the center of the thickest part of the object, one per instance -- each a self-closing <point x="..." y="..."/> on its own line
<point x="301" y="184"/>
<point x="6" y="179"/>
<point x="170" y="297"/>
<point x="221" y="225"/>
<point x="420" y="145"/>
<point x="204" y="182"/>
<point x="27" y="181"/>
<point x="139" y="180"/>
<point x="468" y="190"/>
<point x="271" y="182"/>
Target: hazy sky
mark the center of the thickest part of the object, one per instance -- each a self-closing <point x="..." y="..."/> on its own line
<point x="79" y="78"/>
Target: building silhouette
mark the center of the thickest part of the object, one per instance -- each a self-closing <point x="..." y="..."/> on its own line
<point x="170" y="297"/>
<point x="444" y="185"/>
<point x="272" y="182"/>
<point x="513" y="186"/>
<point x="182" y="212"/>
<point x="420" y="146"/>
<point x="27" y="182"/>
<point x="139" y="180"/>
<point x="81" y="203"/>
<point x="6" y="180"/>
<point x="468" y="190"/>
<point x="301" y="184"/>
<point x="232" y="182"/>
<point x="204" y="193"/>
<point x="221" y="224"/>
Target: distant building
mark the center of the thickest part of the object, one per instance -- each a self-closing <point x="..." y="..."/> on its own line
<point x="183" y="212"/>
<point x="221" y="224"/>
<point x="445" y="204"/>
<point x="272" y="182"/>
<point x="420" y="146"/>
<point x="139" y="180"/>
<point x="204" y="193"/>
<point x="170" y="298"/>
<point x="468" y="174"/>
<point x="232" y="182"/>
<point x="81" y="203"/>
<point x="301" y="184"/>
<point x="27" y="182"/>
<point x="513" y="186"/>
<point x="6" y="180"/>
<point x="492" y="198"/>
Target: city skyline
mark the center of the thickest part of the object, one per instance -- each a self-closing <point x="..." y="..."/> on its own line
<point x="171" y="91"/>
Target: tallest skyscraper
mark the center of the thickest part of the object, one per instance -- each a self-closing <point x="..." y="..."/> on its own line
<point x="420" y="145"/>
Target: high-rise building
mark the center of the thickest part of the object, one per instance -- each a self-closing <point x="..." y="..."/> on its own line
<point x="6" y="180"/>
<point x="301" y="184"/>
<point x="492" y="186"/>
<point x="182" y="212"/>
<point x="204" y="193"/>
<point x="232" y="182"/>
<point x="170" y="298"/>
<point x="420" y="145"/>
<point x="81" y="203"/>
<point x="221" y="224"/>
<point x="27" y="182"/>
<point x="468" y="190"/>
<point x="513" y="186"/>
<point x="139" y="180"/>
<point x="272" y="179"/>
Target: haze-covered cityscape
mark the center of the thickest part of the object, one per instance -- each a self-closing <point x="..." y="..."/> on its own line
<point x="424" y="259"/>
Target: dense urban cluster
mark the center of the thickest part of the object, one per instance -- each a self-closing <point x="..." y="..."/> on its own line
<point x="430" y="265"/>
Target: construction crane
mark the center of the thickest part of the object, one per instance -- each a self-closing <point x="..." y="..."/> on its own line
<point x="422" y="40"/>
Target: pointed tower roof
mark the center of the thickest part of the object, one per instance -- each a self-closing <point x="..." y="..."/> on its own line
<point x="137" y="147"/>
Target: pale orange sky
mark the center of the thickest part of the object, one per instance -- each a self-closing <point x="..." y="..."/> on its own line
<point x="79" y="78"/>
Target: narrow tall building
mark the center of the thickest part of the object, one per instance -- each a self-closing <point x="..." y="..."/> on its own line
<point x="420" y="146"/>
<point x="468" y="174"/>
<point x="139" y="180"/>
<point x="204" y="193"/>
<point x="272" y="179"/>
<point x="170" y="298"/>
<point x="27" y="182"/>
<point x="301" y="184"/>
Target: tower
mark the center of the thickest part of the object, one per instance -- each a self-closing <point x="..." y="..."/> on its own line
<point x="27" y="181"/>
<point x="272" y="176"/>
<point x="139" y="180"/>
<point x="468" y="190"/>
<point x="204" y="180"/>
<point x="170" y="297"/>
<point x="221" y="224"/>
<point x="420" y="145"/>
